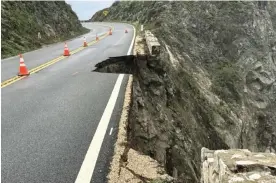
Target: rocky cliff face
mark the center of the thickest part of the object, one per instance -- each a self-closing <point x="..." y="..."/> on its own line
<point x="29" y="25"/>
<point x="213" y="85"/>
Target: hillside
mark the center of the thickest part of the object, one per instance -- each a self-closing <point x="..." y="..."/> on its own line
<point x="23" y="21"/>
<point x="213" y="85"/>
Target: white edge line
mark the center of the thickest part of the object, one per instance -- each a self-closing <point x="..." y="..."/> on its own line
<point x="88" y="165"/>
<point x="110" y="131"/>
<point x="132" y="42"/>
<point x="117" y="43"/>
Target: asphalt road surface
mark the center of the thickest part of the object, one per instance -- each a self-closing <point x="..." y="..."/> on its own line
<point x="9" y="66"/>
<point x="59" y="125"/>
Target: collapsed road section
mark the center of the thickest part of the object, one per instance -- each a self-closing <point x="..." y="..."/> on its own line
<point x="171" y="117"/>
<point x="128" y="163"/>
<point x="128" y="64"/>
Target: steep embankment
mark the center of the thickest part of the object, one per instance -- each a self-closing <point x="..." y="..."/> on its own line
<point x="213" y="85"/>
<point x="22" y="22"/>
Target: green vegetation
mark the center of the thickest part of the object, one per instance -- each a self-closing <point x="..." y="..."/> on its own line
<point x="22" y="21"/>
<point x="227" y="83"/>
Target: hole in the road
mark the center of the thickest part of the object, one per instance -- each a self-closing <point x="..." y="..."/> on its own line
<point x="121" y="64"/>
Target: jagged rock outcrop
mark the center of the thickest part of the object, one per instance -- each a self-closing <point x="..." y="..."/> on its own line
<point x="212" y="86"/>
<point x="27" y="25"/>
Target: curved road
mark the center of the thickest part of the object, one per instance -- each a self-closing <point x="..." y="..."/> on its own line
<point x="54" y="121"/>
<point x="40" y="56"/>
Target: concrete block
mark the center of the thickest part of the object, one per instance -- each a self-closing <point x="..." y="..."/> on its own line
<point x="152" y="43"/>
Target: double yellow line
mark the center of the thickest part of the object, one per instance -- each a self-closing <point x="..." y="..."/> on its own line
<point x="51" y="62"/>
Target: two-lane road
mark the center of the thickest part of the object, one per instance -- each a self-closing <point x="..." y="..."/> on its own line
<point x="59" y="124"/>
<point x="40" y="56"/>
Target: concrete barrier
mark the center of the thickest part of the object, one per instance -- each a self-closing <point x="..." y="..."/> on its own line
<point x="237" y="165"/>
<point x="152" y="43"/>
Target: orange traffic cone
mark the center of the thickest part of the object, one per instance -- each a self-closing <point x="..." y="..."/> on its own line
<point x="110" y="32"/>
<point x="23" y="71"/>
<point x="84" y="43"/>
<point x="66" y="50"/>
<point x="126" y="31"/>
<point x="97" y="38"/>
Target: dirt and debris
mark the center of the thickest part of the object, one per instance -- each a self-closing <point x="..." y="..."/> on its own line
<point x="127" y="164"/>
<point x="141" y="169"/>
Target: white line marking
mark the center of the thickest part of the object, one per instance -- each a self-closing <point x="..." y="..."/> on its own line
<point x="116" y="44"/>
<point x="88" y="165"/>
<point x="110" y="131"/>
<point x="75" y="73"/>
<point x="132" y="42"/>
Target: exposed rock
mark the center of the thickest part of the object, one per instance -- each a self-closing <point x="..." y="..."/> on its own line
<point x="127" y="164"/>
<point x="212" y="86"/>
